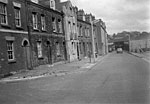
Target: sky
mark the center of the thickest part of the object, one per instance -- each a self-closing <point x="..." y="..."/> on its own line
<point x="118" y="15"/>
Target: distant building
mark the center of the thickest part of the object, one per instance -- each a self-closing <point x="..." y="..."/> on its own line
<point x="101" y="37"/>
<point x="140" y="43"/>
<point x="84" y="34"/>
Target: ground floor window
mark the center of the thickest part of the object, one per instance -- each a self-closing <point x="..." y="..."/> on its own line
<point x="39" y="49"/>
<point x="57" y="49"/>
<point x="10" y="50"/>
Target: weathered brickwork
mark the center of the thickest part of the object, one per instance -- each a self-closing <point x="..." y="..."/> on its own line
<point x="9" y="32"/>
<point x="48" y="38"/>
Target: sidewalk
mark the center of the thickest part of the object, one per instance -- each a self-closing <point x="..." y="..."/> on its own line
<point x="145" y="55"/>
<point x="56" y="70"/>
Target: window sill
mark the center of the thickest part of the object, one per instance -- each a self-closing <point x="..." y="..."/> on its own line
<point x="6" y="26"/>
<point x="36" y="30"/>
<point x="11" y="61"/>
<point x="40" y="58"/>
<point x="60" y="33"/>
<point x="20" y="28"/>
<point x="58" y="55"/>
<point x="44" y="31"/>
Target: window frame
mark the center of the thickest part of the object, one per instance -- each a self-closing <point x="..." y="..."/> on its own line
<point x="52" y="4"/>
<point x="39" y="49"/>
<point x="35" y="20"/>
<point x="10" y="50"/>
<point x="3" y="13"/>
<point x="43" y="23"/>
<point x="54" y="24"/>
<point x="18" y="19"/>
<point x="60" y="26"/>
<point x="58" y="52"/>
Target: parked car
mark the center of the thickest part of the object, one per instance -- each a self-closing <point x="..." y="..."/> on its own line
<point x="119" y="50"/>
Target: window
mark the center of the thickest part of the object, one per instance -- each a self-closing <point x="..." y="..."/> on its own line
<point x="59" y="26"/>
<point x="52" y="4"/>
<point x="74" y="28"/>
<point x="17" y="17"/>
<point x="88" y="32"/>
<point x="57" y="48"/>
<point x="54" y="24"/>
<point x="35" y="22"/>
<point x="10" y="51"/>
<point x="81" y="34"/>
<point x="69" y="26"/>
<point x="39" y="49"/>
<point x="3" y="14"/>
<point x="43" y="22"/>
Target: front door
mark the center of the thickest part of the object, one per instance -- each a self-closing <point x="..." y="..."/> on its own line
<point x="49" y="52"/>
<point x="26" y="47"/>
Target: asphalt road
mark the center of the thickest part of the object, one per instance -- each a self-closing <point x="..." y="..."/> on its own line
<point x="118" y="79"/>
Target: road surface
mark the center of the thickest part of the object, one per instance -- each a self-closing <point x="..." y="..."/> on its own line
<point x="118" y="79"/>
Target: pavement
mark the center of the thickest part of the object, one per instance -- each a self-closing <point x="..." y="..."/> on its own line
<point x="144" y="55"/>
<point x="56" y="70"/>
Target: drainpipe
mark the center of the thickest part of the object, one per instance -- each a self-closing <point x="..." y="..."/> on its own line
<point x="29" y="30"/>
<point x="93" y="46"/>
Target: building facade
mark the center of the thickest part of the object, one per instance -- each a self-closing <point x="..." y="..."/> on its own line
<point x="140" y="43"/>
<point x="101" y="37"/>
<point x="85" y="34"/>
<point x="70" y="26"/>
<point x="14" y="48"/>
<point x="32" y="34"/>
<point x="46" y="33"/>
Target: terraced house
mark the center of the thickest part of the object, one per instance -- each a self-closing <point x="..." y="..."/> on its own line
<point x="46" y="30"/>
<point x="32" y="34"/>
<point x="70" y="25"/>
<point x="14" y="42"/>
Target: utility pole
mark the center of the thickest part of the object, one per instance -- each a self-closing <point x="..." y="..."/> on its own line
<point x="93" y="42"/>
<point x="129" y="43"/>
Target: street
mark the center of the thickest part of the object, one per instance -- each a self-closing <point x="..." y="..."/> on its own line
<point x="118" y="79"/>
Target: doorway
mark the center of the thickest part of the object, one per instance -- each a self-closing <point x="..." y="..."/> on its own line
<point x="26" y="46"/>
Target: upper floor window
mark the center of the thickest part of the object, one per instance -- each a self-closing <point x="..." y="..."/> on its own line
<point x="54" y="24"/>
<point x="81" y="33"/>
<point x="17" y="17"/>
<point x="3" y="14"/>
<point x="88" y="32"/>
<point x="59" y="26"/>
<point x="43" y="22"/>
<point x="52" y="4"/>
<point x="35" y="21"/>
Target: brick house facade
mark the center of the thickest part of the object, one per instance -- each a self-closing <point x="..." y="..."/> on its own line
<point x="31" y="35"/>
<point x="47" y="34"/>
<point x="14" y="37"/>
<point x="70" y="25"/>
<point x="85" y="34"/>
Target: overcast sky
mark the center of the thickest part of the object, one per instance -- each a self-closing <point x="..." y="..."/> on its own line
<point x="119" y="15"/>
